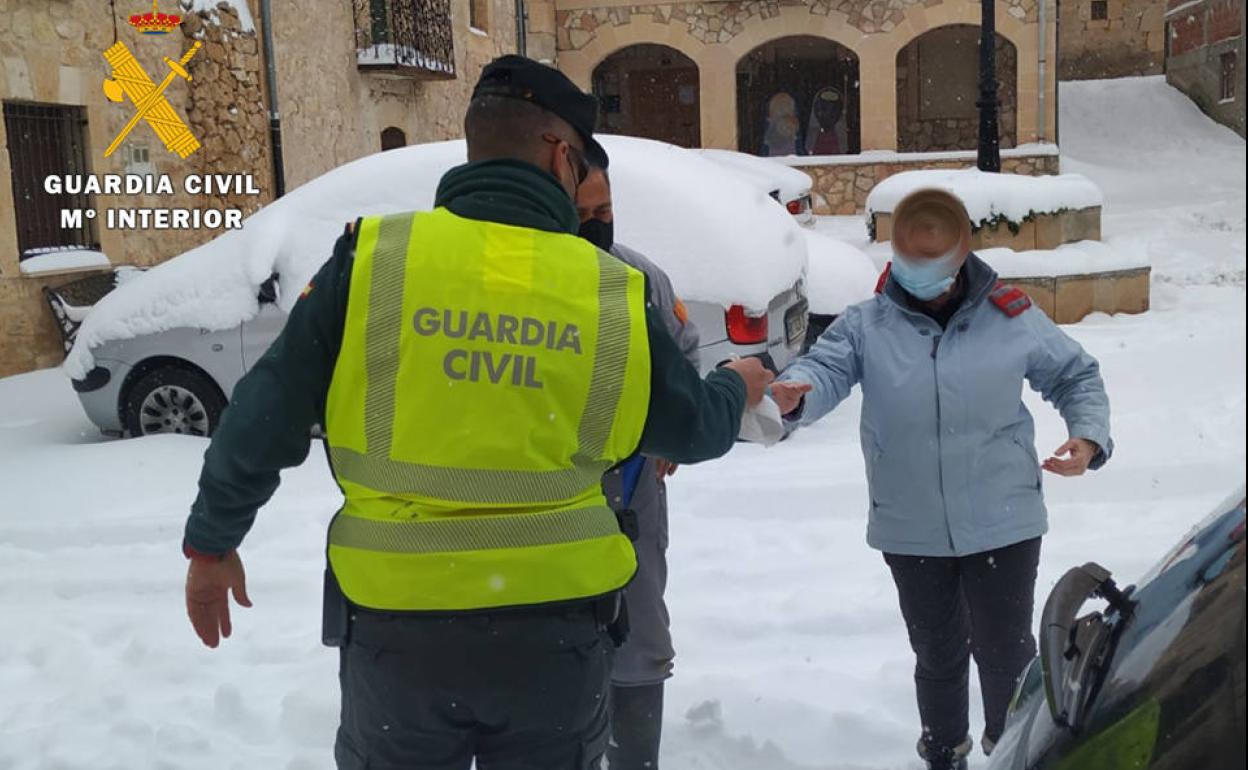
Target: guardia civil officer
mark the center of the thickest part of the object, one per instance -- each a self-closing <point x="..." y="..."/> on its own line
<point x="638" y="490"/>
<point x="957" y="507"/>
<point x="476" y="369"/>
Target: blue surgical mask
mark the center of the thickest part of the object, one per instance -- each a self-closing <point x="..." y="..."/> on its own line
<point x="926" y="279"/>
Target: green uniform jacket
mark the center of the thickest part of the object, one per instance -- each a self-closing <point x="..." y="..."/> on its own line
<point x="275" y="406"/>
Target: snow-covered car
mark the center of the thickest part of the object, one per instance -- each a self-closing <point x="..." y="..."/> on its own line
<point x="163" y="352"/>
<point x="1153" y="678"/>
<point x="839" y="275"/>
<point x="786" y="185"/>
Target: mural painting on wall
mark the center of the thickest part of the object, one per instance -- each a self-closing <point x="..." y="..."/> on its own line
<point x="798" y="96"/>
<point x="780" y="132"/>
<point x="825" y="133"/>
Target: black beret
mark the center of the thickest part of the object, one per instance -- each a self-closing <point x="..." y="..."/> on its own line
<point x="520" y="78"/>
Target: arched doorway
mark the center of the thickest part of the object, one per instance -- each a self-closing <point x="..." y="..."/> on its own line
<point x="393" y="138"/>
<point x="938" y="85"/>
<point x="651" y="91"/>
<point x="798" y="95"/>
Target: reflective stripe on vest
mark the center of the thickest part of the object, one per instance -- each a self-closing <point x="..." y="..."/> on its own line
<point x="459" y="494"/>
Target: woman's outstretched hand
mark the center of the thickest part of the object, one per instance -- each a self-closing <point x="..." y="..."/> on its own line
<point x="788" y="395"/>
<point x="1081" y="452"/>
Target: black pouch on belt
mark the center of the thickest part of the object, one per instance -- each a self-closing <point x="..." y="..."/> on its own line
<point x="629" y="524"/>
<point x="612" y="614"/>
<point x="335" y="613"/>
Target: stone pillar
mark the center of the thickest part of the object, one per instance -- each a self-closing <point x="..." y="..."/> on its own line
<point x="878" y="94"/>
<point x="717" y="83"/>
<point x="227" y="110"/>
<point x="540" y="30"/>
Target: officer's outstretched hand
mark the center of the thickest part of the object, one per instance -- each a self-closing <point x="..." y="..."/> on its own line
<point x="208" y="583"/>
<point x="757" y="377"/>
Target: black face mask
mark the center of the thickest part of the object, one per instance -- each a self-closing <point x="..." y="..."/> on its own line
<point x="599" y="233"/>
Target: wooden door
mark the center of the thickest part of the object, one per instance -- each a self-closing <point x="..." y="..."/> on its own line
<point x="663" y="105"/>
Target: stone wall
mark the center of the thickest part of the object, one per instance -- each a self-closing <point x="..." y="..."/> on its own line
<point x="1129" y="41"/>
<point x="51" y="52"/>
<point x="717" y="34"/>
<point x="842" y="187"/>
<point x="332" y="113"/>
<point x="1068" y="299"/>
<point x="720" y="22"/>
<point x="227" y="109"/>
<point x="1199" y="36"/>
<point x="539" y="26"/>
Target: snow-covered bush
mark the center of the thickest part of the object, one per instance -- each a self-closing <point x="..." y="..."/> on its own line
<point x="991" y="200"/>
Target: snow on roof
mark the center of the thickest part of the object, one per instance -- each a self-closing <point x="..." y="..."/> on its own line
<point x="987" y="196"/>
<point x="210" y="7"/>
<point x="840" y="275"/>
<point x="718" y="239"/>
<point x="60" y="260"/>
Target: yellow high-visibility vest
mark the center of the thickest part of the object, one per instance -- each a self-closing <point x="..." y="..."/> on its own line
<point x="488" y="376"/>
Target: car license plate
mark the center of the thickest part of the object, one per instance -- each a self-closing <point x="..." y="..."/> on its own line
<point x="795" y="324"/>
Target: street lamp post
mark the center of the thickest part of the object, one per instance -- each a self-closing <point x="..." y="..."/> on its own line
<point x="989" y="134"/>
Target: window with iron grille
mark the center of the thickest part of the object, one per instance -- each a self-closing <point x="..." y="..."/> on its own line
<point x="1100" y="10"/>
<point x="1230" y="64"/>
<point x="46" y="140"/>
<point x="411" y="38"/>
<point x="393" y="138"/>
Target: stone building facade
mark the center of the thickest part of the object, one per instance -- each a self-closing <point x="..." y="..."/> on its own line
<point x="333" y="109"/>
<point x="1111" y="39"/>
<point x="1205" y="56"/>
<point x="858" y="46"/>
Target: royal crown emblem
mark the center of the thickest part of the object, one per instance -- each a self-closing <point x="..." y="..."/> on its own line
<point x="155" y="23"/>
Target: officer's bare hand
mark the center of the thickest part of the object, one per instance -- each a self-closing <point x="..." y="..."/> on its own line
<point x="208" y="585"/>
<point x="664" y="468"/>
<point x="757" y="377"/>
<point x="788" y="395"/>
<point x="1081" y="452"/>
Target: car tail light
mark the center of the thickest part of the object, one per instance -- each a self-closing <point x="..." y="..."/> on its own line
<point x="794" y="207"/>
<point x="745" y="329"/>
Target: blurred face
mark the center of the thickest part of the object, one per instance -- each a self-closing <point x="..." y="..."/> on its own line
<point x="593" y="198"/>
<point x="930" y="233"/>
<point x="931" y="240"/>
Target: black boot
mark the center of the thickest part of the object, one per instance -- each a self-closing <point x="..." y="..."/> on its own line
<point x="944" y="757"/>
<point x="636" y="727"/>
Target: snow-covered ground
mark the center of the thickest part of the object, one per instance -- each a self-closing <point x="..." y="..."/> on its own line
<point x="792" y="655"/>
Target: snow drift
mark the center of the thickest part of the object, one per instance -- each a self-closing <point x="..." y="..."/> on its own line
<point x="840" y="275"/>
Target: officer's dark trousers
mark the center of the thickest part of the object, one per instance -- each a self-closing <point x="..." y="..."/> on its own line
<point x="514" y="691"/>
<point x="636" y="727"/>
<point x="956" y="607"/>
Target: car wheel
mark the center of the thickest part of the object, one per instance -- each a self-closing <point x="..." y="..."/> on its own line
<point x="173" y="399"/>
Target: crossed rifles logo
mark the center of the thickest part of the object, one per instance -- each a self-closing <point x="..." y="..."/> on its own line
<point x="130" y="80"/>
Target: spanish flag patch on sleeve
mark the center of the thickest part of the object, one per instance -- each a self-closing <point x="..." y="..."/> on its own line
<point x="681" y="312"/>
<point x="306" y="290"/>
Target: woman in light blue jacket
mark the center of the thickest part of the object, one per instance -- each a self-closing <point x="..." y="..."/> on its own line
<point x="957" y="505"/>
